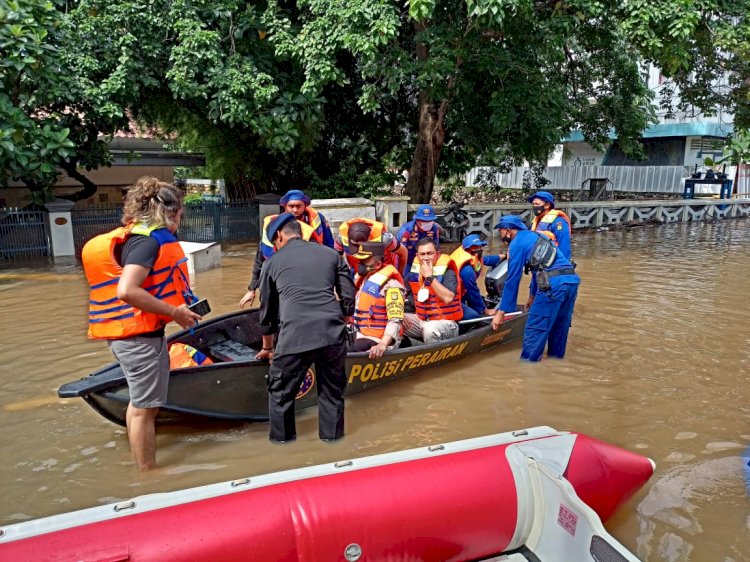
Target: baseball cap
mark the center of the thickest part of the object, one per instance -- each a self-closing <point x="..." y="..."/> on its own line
<point x="544" y="196"/>
<point x="472" y="240"/>
<point x="511" y="221"/>
<point x="425" y="213"/>
<point x="274" y="226"/>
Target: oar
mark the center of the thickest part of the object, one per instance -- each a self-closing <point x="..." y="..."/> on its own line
<point x="486" y="318"/>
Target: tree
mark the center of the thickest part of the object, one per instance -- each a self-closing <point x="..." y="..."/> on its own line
<point x="47" y="121"/>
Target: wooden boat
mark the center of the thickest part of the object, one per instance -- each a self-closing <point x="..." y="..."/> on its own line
<point x="535" y="495"/>
<point x="234" y="386"/>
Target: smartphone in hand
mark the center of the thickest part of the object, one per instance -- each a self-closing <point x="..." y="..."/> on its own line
<point x="201" y="308"/>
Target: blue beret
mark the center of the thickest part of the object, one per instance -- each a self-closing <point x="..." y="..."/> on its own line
<point x="274" y="226"/>
<point x="544" y="196"/>
<point x="425" y="213"/>
<point x="294" y="195"/>
<point x="511" y="221"/>
<point x="472" y="240"/>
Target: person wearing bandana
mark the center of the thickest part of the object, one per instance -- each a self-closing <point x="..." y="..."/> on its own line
<point x="421" y="226"/>
<point x="551" y="222"/>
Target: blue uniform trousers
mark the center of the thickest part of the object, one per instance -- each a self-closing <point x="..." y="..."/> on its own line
<point x="469" y="313"/>
<point x="549" y="319"/>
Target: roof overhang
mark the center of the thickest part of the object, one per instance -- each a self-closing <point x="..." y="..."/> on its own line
<point x="702" y="129"/>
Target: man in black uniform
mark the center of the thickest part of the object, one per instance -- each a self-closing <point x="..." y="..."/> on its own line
<point x="298" y="286"/>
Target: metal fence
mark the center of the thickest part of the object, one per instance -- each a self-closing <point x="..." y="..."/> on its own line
<point x="88" y="223"/>
<point x="639" y="179"/>
<point x="23" y="233"/>
<point x="213" y="222"/>
<point x="206" y="222"/>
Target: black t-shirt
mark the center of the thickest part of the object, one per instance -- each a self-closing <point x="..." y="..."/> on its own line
<point x="140" y="250"/>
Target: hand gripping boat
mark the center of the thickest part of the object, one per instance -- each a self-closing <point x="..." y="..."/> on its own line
<point x="534" y="495"/>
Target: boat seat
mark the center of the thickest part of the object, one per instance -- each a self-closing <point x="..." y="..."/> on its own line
<point x="231" y="350"/>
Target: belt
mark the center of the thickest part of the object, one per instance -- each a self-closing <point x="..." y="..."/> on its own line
<point x="556" y="272"/>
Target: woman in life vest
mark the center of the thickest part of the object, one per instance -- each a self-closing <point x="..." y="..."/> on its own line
<point x="379" y="303"/>
<point x="436" y="287"/>
<point x="314" y="227"/>
<point x="551" y="222"/>
<point x="139" y="282"/>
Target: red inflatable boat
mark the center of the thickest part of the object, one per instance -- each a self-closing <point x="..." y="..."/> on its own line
<point x="530" y="495"/>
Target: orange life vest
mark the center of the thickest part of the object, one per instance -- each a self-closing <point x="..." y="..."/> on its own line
<point x="267" y="247"/>
<point x="434" y="308"/>
<point x="314" y="222"/>
<point x="543" y="223"/>
<point x="370" y="314"/>
<point x="377" y="229"/>
<point x="182" y="355"/>
<point x="111" y="318"/>
<point x="461" y="257"/>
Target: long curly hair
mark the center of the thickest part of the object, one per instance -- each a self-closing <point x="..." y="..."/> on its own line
<point x="152" y="202"/>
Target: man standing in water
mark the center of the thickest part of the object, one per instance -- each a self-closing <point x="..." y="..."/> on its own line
<point x="551" y="222"/>
<point x="139" y="282"/>
<point x="553" y="290"/>
<point x="299" y="285"/>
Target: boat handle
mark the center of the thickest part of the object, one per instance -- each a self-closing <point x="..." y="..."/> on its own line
<point x="2" y="533"/>
<point x="240" y="482"/>
<point x="433" y="448"/>
<point x="520" y="433"/>
<point x="342" y="464"/>
<point x="124" y="505"/>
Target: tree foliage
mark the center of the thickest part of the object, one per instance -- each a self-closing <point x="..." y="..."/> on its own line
<point x="48" y="120"/>
<point x="334" y="95"/>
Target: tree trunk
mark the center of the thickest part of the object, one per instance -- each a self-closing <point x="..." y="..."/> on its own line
<point x="426" y="158"/>
<point x="430" y="139"/>
<point x="89" y="187"/>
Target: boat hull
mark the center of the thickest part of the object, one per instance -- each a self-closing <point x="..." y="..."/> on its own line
<point x="466" y="500"/>
<point x="236" y="389"/>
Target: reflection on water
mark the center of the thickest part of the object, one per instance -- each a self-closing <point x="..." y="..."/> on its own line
<point x="657" y="363"/>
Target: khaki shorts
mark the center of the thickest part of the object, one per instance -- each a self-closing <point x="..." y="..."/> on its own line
<point x="145" y="362"/>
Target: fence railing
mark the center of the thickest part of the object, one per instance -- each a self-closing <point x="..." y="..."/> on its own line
<point x="638" y="179"/>
<point x="206" y="222"/>
<point x="23" y="233"/>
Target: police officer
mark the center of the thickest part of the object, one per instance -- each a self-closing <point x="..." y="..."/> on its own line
<point x="550" y="221"/>
<point x="553" y="290"/>
<point x="299" y="285"/>
<point x="421" y="226"/>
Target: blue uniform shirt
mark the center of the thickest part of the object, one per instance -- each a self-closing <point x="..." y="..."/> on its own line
<point x="519" y="253"/>
<point x="409" y="234"/>
<point x="559" y="227"/>
<point x="472" y="297"/>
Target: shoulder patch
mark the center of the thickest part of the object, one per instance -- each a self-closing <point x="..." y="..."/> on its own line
<point x="559" y="226"/>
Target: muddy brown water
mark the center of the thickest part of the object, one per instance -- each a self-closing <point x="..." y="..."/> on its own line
<point x="658" y="362"/>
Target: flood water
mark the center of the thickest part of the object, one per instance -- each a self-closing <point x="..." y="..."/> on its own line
<point x="658" y="362"/>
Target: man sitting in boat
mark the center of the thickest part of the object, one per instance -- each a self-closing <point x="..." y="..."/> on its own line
<point x="437" y="294"/>
<point x="354" y="232"/>
<point x="421" y="226"/>
<point x="379" y="304"/>
<point x="469" y="260"/>
<point x="314" y="228"/>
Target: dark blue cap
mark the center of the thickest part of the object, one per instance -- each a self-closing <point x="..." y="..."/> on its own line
<point x="511" y="221"/>
<point x="274" y="226"/>
<point x="425" y="213"/>
<point x="473" y="240"/>
<point x="294" y="195"/>
<point x="544" y="196"/>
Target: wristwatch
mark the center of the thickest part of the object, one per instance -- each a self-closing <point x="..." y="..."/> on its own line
<point x="429" y="279"/>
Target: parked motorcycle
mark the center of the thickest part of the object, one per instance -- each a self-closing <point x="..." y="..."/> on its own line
<point x="453" y="222"/>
